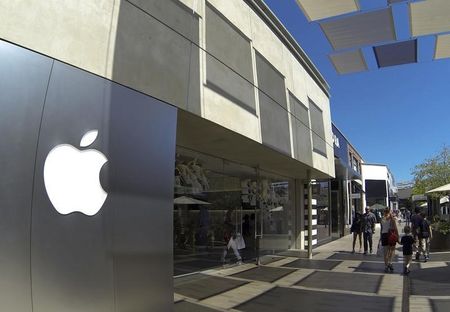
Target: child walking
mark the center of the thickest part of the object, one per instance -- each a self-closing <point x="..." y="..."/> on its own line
<point x="407" y="242"/>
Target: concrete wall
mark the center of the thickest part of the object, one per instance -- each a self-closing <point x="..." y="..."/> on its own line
<point x="165" y="49"/>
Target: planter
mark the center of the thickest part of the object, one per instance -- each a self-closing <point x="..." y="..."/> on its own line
<point x="440" y="242"/>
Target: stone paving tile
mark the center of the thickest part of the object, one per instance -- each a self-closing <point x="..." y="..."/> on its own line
<point x="282" y="299"/>
<point x="265" y="260"/>
<point x="437" y="264"/>
<point x="347" y="266"/>
<point x="238" y="295"/>
<point x="358" y="256"/>
<point x="440" y="305"/>
<point x="282" y="262"/>
<point x="231" y="270"/>
<point x="391" y="285"/>
<point x="294" y="277"/>
<point x="444" y="256"/>
<point x="184" y="306"/>
<point x="323" y="255"/>
<point x="313" y="264"/>
<point x="419" y="304"/>
<point x="264" y="274"/>
<point x="200" y="286"/>
<point x="357" y="282"/>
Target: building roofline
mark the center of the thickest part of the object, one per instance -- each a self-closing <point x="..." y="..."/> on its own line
<point x="261" y="8"/>
<point x="348" y="141"/>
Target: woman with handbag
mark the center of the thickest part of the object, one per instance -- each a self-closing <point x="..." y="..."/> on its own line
<point x="389" y="238"/>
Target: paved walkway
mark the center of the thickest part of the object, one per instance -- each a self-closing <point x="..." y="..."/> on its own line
<point x="334" y="280"/>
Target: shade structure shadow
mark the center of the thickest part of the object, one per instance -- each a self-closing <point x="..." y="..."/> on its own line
<point x="264" y="274"/>
<point x="342" y="281"/>
<point x="313" y="264"/>
<point x="430" y="282"/>
<point x="375" y="267"/>
<point x="185" y="306"/>
<point x="282" y="299"/>
<point x="440" y="305"/>
<point x="358" y="257"/>
<point x="201" y="286"/>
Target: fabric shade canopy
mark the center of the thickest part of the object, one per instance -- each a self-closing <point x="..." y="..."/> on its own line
<point x="396" y="53"/>
<point x="360" y="30"/>
<point x="319" y="9"/>
<point x="349" y="62"/>
<point x="443" y="188"/>
<point x="429" y="17"/>
<point x="442" y="47"/>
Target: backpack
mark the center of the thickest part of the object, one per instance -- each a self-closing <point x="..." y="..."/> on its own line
<point x="425" y="229"/>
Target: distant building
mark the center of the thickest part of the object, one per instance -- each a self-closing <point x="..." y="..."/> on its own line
<point x="379" y="186"/>
<point x="346" y="188"/>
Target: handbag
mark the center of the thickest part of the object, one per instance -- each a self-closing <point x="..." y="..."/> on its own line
<point x="393" y="237"/>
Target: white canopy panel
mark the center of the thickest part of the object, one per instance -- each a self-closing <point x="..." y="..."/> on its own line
<point x="443" y="188"/>
<point x="429" y="17"/>
<point x="319" y="9"/>
<point x="361" y="29"/>
<point x="442" y="47"/>
<point x="349" y="62"/>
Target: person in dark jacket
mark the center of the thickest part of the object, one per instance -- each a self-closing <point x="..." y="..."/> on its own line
<point x="356" y="229"/>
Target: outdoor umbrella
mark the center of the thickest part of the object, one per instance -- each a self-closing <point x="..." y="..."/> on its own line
<point x="377" y="207"/>
<point x="443" y="188"/>
<point x="185" y="200"/>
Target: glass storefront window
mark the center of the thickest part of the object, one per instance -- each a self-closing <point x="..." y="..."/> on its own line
<point x="216" y="200"/>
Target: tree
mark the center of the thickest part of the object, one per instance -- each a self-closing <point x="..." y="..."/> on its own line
<point x="433" y="172"/>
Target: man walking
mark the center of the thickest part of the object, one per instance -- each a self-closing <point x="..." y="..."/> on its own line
<point x="416" y="226"/>
<point x="368" y="227"/>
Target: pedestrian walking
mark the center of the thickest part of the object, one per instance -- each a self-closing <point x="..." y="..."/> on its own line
<point x="425" y="234"/>
<point x="230" y="238"/>
<point x="389" y="238"/>
<point x="407" y="241"/>
<point x="416" y="224"/>
<point x="356" y="229"/>
<point x="368" y="228"/>
<point x="408" y="217"/>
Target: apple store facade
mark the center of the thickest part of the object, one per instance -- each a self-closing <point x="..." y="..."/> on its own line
<point x="140" y="137"/>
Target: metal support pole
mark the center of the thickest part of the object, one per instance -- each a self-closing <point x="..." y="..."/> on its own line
<point x="309" y="214"/>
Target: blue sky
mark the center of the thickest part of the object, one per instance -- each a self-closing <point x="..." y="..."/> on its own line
<point x="396" y="116"/>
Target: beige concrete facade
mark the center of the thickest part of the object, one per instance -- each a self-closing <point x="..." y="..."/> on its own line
<point x="159" y="47"/>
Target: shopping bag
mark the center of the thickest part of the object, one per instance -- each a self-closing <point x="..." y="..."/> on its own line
<point x="240" y="243"/>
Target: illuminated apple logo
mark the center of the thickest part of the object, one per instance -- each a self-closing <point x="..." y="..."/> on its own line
<point x="72" y="177"/>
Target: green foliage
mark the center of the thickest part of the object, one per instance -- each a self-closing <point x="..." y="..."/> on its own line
<point x="432" y="173"/>
<point x="441" y="226"/>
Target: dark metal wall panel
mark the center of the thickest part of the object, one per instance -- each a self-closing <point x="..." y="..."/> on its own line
<point x="274" y="125"/>
<point x="116" y="258"/>
<point x="23" y="82"/>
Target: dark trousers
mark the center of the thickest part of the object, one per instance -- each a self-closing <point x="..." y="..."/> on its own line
<point x="367" y="240"/>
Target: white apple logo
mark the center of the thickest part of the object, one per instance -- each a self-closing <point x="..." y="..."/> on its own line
<point x="72" y="177"/>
